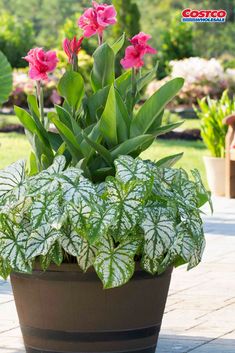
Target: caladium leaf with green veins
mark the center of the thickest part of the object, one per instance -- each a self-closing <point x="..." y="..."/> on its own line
<point x="12" y="179"/>
<point x="48" y="180"/>
<point x="203" y="195"/>
<point x="128" y="169"/>
<point x="47" y="209"/>
<point x="40" y="241"/>
<point x="127" y="200"/>
<point x="186" y="246"/>
<point x="5" y="268"/>
<point x="187" y="192"/>
<point x="168" y="175"/>
<point x="87" y="255"/>
<point x="101" y="218"/>
<point x="81" y="193"/>
<point x="78" y="215"/>
<point x="159" y="229"/>
<point x="55" y="255"/>
<point x="12" y="246"/>
<point x="70" y="240"/>
<point x="115" y="266"/>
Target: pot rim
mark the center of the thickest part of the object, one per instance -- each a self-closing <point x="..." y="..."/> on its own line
<point x="214" y="158"/>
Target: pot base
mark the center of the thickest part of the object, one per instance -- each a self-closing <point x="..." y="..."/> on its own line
<point x="147" y="350"/>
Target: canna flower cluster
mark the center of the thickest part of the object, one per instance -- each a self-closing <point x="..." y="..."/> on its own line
<point x="97" y="18"/>
<point x="93" y="21"/>
<point x="135" y="53"/>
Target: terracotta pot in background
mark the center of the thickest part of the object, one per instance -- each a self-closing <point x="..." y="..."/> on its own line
<point x="215" y="170"/>
<point x="63" y="310"/>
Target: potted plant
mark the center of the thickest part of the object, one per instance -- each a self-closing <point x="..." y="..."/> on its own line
<point x="213" y="130"/>
<point x="86" y="211"/>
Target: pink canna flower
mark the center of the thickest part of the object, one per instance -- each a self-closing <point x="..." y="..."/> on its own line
<point x="72" y="47"/>
<point x="41" y="63"/>
<point x="97" y="18"/>
<point x="106" y="14"/>
<point x="135" y="53"/>
<point x="140" y="41"/>
<point x="133" y="58"/>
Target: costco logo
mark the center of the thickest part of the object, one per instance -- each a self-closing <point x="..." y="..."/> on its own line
<point x="189" y="15"/>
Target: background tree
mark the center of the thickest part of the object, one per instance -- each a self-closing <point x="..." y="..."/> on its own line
<point x="128" y="18"/>
<point x="177" y="43"/>
<point x="16" y="38"/>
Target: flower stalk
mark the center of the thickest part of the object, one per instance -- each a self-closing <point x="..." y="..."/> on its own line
<point x="40" y="97"/>
<point x="133" y="85"/>
<point x="100" y="38"/>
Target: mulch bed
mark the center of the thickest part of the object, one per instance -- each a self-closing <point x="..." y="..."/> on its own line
<point x="188" y="135"/>
<point x="12" y="128"/>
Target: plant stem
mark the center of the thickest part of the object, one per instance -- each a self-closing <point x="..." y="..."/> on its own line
<point x="133" y="86"/>
<point x="75" y="63"/>
<point x="100" y="38"/>
<point x="41" y="101"/>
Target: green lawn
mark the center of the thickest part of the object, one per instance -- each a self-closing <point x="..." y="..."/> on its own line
<point x="14" y="146"/>
<point x="8" y="120"/>
<point x="190" y="124"/>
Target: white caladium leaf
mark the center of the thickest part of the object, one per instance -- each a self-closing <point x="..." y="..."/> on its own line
<point x="169" y="174"/>
<point x="40" y="241"/>
<point x="100" y="220"/>
<point x="186" y="246"/>
<point x="128" y="169"/>
<point x="78" y="215"/>
<point x="12" y="246"/>
<point x="55" y="255"/>
<point x="159" y="232"/>
<point x="87" y="255"/>
<point x="12" y="179"/>
<point x="16" y="210"/>
<point x="203" y="195"/>
<point x="46" y="209"/>
<point x="127" y="200"/>
<point x="81" y="193"/>
<point x="49" y="180"/>
<point x="58" y="165"/>
<point x="70" y="240"/>
<point x="115" y="266"/>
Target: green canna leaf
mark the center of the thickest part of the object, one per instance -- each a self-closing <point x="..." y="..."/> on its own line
<point x="71" y="87"/>
<point x="151" y="109"/>
<point x="117" y="46"/>
<point x="103" y="69"/>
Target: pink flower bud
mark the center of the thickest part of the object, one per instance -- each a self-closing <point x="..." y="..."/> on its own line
<point x="72" y="47"/>
<point x="41" y="63"/>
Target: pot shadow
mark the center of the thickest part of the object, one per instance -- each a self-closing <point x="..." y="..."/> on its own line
<point x="179" y="344"/>
<point x="186" y="344"/>
<point x="218" y="226"/>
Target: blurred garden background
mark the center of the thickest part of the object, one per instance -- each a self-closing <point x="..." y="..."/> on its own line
<point x="202" y="53"/>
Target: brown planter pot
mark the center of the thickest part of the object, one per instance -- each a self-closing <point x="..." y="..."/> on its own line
<point x="63" y="310"/>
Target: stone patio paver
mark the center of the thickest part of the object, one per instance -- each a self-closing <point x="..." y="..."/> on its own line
<point x="200" y="311"/>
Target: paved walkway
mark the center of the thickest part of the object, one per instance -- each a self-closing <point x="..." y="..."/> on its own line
<point x="200" y="312"/>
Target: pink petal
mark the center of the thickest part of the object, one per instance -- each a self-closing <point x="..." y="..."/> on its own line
<point x="34" y="74"/>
